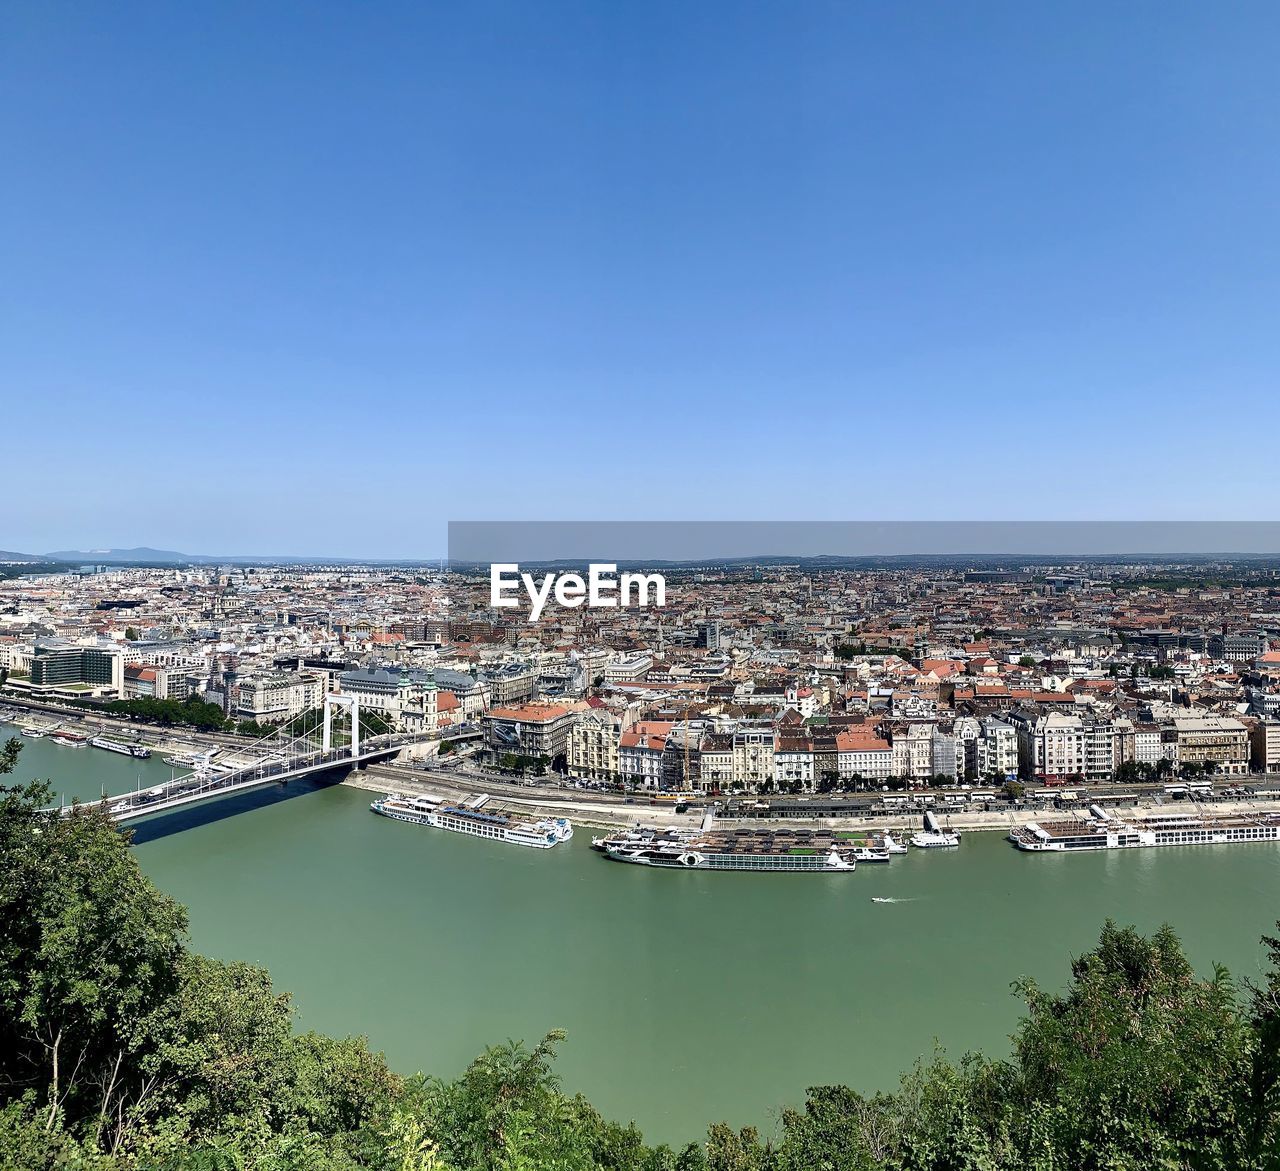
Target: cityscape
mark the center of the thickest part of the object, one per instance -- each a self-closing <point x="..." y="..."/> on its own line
<point x="639" y="587"/>
<point x="790" y="682"/>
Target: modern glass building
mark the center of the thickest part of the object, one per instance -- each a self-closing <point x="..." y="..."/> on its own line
<point x="57" y="663"/>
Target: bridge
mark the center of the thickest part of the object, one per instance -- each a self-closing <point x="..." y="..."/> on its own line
<point x="284" y="755"/>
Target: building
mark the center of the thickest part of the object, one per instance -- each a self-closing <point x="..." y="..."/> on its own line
<point x="531" y="729"/>
<point x="1264" y="744"/>
<point x="404" y="697"/>
<point x="593" y="745"/>
<point x="629" y="670"/>
<point x="863" y="754"/>
<point x="1219" y="744"/>
<point x="277" y="697"/>
<point x="1148" y="744"/>
<point x="997" y="749"/>
<point x="640" y="752"/>
<point x="61" y="666"/>
<point x="472" y="693"/>
<point x="153" y="682"/>
<point x="717" y="761"/>
<point x="510" y="684"/>
<point x="753" y="747"/>
<point x="1242" y="647"/>
<point x="1063" y="745"/>
<point x="793" y="761"/>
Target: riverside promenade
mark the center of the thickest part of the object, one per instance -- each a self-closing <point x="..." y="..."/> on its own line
<point x="609" y="812"/>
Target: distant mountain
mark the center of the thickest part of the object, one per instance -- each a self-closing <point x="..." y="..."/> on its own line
<point x="20" y="558"/>
<point x="118" y="556"/>
<point x="147" y="556"/>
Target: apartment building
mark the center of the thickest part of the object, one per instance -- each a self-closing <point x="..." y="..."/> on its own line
<point x="753" y="748"/>
<point x="530" y="729"/>
<point x="863" y="754"/>
<point x="1214" y="741"/>
<point x="593" y="745"/>
<point x="640" y="753"/>
<point x="1061" y="745"/>
<point x="997" y="749"/>
<point x="717" y="761"/>
<point x="1264" y="746"/>
<point x="152" y="682"/>
<point x="510" y="684"/>
<point x="793" y="761"/>
<point x="913" y="751"/>
<point x="276" y="697"/>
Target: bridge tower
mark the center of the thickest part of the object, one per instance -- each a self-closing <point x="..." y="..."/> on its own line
<point x="352" y="703"/>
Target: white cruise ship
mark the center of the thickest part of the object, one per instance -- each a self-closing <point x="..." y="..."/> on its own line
<point x="1101" y="831"/>
<point x="472" y="817"/>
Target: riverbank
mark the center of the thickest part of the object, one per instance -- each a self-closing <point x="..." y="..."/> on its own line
<point x="599" y="814"/>
<point x="165" y="741"/>
<point x="595" y="810"/>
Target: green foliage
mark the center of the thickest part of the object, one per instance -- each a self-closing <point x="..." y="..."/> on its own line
<point x="190" y="712"/>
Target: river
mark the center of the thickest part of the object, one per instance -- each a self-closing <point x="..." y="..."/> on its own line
<point x="687" y="997"/>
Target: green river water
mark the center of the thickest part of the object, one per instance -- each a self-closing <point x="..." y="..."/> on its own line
<point x="687" y="997"/>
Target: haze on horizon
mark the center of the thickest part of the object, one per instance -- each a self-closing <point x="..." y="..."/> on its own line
<point x="318" y="280"/>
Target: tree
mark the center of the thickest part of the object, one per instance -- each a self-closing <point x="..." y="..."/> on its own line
<point x="1027" y="661"/>
<point x="1128" y="772"/>
<point x="1138" y="1058"/>
<point x="88" y="948"/>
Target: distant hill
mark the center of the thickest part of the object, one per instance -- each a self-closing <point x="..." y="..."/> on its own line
<point x="19" y="558"/>
<point x="114" y="556"/>
<point x="143" y="555"/>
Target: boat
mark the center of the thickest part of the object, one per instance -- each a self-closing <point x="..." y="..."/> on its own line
<point x="870" y="854"/>
<point x="66" y="741"/>
<point x="475" y="818"/>
<point x="124" y="749"/>
<point x="893" y="845"/>
<point x="644" y="835"/>
<point x="934" y="837"/>
<point x="193" y="760"/>
<point x="791" y="850"/>
<point x="34" y="733"/>
<point x="1101" y="831"/>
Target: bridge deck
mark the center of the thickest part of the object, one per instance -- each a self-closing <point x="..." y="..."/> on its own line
<point x="194" y="788"/>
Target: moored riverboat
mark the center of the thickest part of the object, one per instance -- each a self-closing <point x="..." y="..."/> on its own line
<point x="123" y="749"/>
<point x="1101" y="831"/>
<point x="789" y="850"/>
<point x="475" y="818"/>
<point x="934" y="837"/>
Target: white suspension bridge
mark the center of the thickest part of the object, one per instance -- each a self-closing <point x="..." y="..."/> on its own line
<point x="283" y="755"/>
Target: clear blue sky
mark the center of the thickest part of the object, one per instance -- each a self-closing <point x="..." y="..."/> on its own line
<point x="317" y="278"/>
